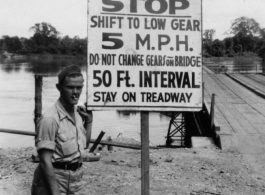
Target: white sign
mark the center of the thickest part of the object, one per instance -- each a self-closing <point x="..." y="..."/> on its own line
<point x="145" y="55"/>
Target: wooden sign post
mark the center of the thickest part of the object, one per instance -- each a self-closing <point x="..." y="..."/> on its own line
<point x="145" y="153"/>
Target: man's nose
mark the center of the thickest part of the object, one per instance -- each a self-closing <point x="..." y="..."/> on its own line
<point x="75" y="90"/>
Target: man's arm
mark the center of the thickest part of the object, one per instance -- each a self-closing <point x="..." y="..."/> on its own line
<point x="87" y="116"/>
<point x="48" y="171"/>
<point x="88" y="127"/>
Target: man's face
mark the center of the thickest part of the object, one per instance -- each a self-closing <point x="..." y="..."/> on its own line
<point x="71" y="89"/>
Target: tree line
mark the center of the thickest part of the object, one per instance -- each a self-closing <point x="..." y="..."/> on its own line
<point x="45" y="40"/>
<point x="245" y="38"/>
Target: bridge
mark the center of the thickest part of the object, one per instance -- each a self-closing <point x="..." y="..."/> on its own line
<point x="239" y="111"/>
<point x="239" y="108"/>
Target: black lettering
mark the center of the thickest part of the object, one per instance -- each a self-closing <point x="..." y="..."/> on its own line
<point x="133" y="6"/>
<point x="163" y="79"/>
<point x="141" y="79"/>
<point x="116" y="6"/>
<point x="96" y="95"/>
<point x="160" y="98"/>
<point x="119" y="78"/>
<point x="182" y="98"/>
<point x="93" y="20"/>
<point x="147" y="79"/>
<point x="139" y="40"/>
<point x="172" y="8"/>
<point x="174" y="97"/>
<point x="156" y="73"/>
<point x="181" y="25"/>
<point x="149" y="6"/>
<point x="101" y="21"/>
<point x="178" y="42"/>
<point x="196" y="25"/>
<point x="171" y="80"/>
<point x="186" y="80"/>
<point x="143" y="93"/>
<point x="189" y="26"/>
<point x="148" y="97"/>
<point x="193" y="81"/>
<point x="179" y="76"/>
<point x="160" y="42"/>
<point x="188" y="96"/>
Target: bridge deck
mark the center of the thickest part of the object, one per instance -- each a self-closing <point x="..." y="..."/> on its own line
<point x="238" y="110"/>
<point x="240" y="113"/>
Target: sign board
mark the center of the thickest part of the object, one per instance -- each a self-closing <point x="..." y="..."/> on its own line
<point x="145" y="55"/>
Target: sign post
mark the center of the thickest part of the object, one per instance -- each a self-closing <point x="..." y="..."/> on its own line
<point x="145" y="55"/>
<point x="145" y="153"/>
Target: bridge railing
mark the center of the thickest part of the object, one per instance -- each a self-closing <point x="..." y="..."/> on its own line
<point x="234" y="65"/>
<point x="230" y="68"/>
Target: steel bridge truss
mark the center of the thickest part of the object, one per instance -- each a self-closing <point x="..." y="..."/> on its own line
<point x="177" y="129"/>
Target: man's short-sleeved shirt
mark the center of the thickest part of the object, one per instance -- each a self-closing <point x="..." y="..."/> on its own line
<point x="58" y="132"/>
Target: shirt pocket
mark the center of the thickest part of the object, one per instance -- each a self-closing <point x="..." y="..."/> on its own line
<point x="68" y="143"/>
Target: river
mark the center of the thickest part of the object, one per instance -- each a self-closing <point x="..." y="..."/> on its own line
<point x="17" y="87"/>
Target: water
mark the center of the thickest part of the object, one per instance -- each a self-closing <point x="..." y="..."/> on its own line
<point x="17" y="93"/>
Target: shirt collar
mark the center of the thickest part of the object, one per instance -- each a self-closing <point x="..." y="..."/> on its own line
<point x="61" y="111"/>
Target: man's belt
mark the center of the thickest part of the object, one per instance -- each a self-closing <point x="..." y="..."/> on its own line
<point x="67" y="166"/>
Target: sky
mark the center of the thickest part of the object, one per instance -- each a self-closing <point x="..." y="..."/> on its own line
<point x="69" y="17"/>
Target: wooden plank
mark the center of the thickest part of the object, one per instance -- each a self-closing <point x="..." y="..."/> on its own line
<point x="19" y="132"/>
<point x="92" y="149"/>
<point x="111" y="143"/>
<point x="235" y="118"/>
<point x="215" y="84"/>
<point x="245" y="94"/>
<point x="255" y="81"/>
<point x="38" y="99"/>
<point x="145" y="153"/>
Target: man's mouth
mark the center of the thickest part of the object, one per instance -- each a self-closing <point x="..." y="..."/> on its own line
<point x="74" y="97"/>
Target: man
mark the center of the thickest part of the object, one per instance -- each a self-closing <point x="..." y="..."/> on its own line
<point x="63" y="132"/>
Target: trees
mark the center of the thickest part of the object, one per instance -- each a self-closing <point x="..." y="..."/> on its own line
<point x="207" y="41"/>
<point x="66" y="44"/>
<point x="244" y="26"/>
<point x="79" y="46"/>
<point x="245" y="33"/>
<point x="212" y="47"/>
<point x="208" y="35"/>
<point x="12" y="44"/>
<point x="45" y="29"/>
<point x="45" y="38"/>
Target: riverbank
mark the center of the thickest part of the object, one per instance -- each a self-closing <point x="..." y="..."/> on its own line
<point x="184" y="171"/>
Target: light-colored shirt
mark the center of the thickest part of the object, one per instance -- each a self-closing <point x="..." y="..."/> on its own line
<point x="58" y="132"/>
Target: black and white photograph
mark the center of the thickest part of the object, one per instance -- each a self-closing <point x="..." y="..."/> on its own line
<point x="132" y="97"/>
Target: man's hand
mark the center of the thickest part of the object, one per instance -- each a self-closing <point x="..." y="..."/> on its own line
<point x="87" y="115"/>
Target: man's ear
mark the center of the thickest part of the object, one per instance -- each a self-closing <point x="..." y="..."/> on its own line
<point x="58" y="86"/>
